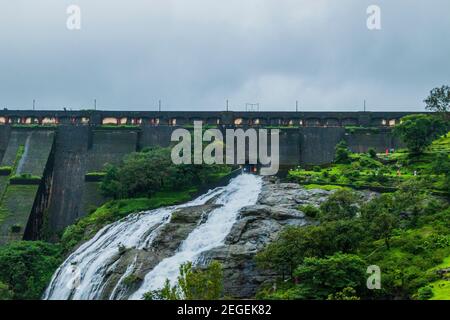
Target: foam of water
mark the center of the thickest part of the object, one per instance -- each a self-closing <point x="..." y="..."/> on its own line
<point x="82" y="275"/>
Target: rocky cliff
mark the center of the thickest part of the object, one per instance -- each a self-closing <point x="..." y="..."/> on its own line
<point x="258" y="225"/>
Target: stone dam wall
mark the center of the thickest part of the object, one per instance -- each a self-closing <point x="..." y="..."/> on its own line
<point x="43" y="182"/>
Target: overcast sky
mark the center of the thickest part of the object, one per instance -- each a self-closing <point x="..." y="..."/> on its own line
<point x="195" y="54"/>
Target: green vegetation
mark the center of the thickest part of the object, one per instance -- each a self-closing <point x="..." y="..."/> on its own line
<point x="96" y="174"/>
<point x="5" y="292"/>
<point x="380" y="172"/>
<point x="19" y="154"/>
<point x="405" y="233"/>
<point x="142" y="174"/>
<point x="439" y="101"/>
<point x="26" y="268"/>
<point x="25" y="176"/>
<point x="418" y="131"/>
<point x="5" y="170"/>
<point x="356" y="129"/>
<point x="192" y="284"/>
<point x="17" y="201"/>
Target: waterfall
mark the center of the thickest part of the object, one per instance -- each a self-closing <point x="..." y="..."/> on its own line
<point x="243" y="191"/>
<point x="82" y="275"/>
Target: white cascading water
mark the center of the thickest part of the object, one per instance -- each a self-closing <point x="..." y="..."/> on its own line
<point x="82" y="275"/>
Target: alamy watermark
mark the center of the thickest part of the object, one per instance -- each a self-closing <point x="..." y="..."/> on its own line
<point x="374" y="280"/>
<point x="374" y="17"/>
<point x="239" y="147"/>
<point x="73" y="21"/>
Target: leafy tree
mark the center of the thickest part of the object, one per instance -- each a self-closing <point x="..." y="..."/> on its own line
<point x="297" y="243"/>
<point x="5" y="293"/>
<point x="192" y="284"/>
<point x="27" y="267"/>
<point x="110" y="185"/>
<point x="419" y="131"/>
<point x="425" y="293"/>
<point x="439" y="100"/>
<point x="292" y="246"/>
<point x="372" y="153"/>
<point x="342" y="153"/>
<point x="142" y="174"/>
<point x="318" y="278"/>
<point x="343" y="204"/>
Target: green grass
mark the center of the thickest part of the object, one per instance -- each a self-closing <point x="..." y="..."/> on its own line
<point x="441" y="290"/>
<point x="445" y="264"/>
<point x="328" y="187"/>
<point x="25" y="176"/>
<point x="19" y="154"/>
<point x="442" y="144"/>
<point x="115" y="210"/>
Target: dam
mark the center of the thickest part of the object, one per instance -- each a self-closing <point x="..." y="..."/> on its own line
<point x="50" y="160"/>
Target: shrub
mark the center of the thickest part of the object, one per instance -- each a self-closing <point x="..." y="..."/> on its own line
<point x="372" y="153"/>
<point x="342" y="153"/>
<point x="425" y="293"/>
<point x="310" y="211"/>
<point x="27" y="267"/>
<point x="192" y="284"/>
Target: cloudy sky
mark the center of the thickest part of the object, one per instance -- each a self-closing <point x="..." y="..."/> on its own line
<point x="195" y="54"/>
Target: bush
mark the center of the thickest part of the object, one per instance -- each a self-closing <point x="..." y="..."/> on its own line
<point x="5" y="293"/>
<point x="27" y="267"/>
<point x="340" y="205"/>
<point x="309" y="211"/>
<point x="192" y="284"/>
<point x="342" y="153"/>
<point x="372" y="153"/>
<point x="425" y="293"/>
<point x="142" y="174"/>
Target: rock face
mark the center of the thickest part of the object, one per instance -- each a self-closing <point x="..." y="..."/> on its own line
<point x="257" y="226"/>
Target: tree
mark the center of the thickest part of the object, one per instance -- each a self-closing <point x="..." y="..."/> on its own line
<point x="5" y="293"/>
<point x="26" y="267"/>
<point x="439" y="101"/>
<point x="297" y="243"/>
<point x="342" y="153"/>
<point x="418" y="131"/>
<point x="343" y="204"/>
<point x="192" y="284"/>
<point x="372" y="153"/>
<point x="142" y="174"/>
<point x="318" y="278"/>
